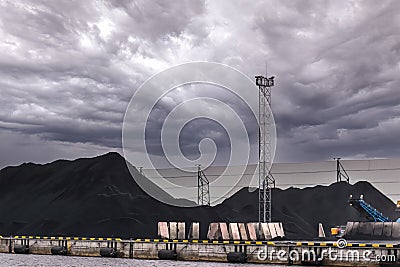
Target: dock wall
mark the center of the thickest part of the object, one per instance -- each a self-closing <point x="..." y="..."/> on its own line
<point x="266" y="252"/>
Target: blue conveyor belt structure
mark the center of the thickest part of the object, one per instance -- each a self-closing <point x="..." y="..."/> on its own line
<point x="367" y="210"/>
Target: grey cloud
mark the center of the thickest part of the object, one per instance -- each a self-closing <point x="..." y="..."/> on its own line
<point x="172" y="17"/>
<point x="352" y="87"/>
<point x="69" y="68"/>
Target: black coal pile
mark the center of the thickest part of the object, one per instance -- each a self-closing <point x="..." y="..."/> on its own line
<point x="98" y="197"/>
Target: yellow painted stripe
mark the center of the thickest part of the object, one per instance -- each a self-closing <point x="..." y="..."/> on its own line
<point x="205" y="241"/>
<point x="215" y="242"/>
<point x="76" y="238"/>
<point x="108" y="239"/>
<point x="60" y="238"/>
<point x="23" y="236"/>
<point x="118" y="239"/>
<point x="175" y="240"/>
<point x="156" y="240"/>
<point x="195" y="241"/>
<point x="185" y="241"/>
<point x="258" y="243"/>
<point x="226" y="242"/>
<point x="138" y="240"/>
<point x="311" y="243"/>
<point x="298" y="244"/>
<point x="45" y="237"/>
<point x="52" y="237"/>
<point x="16" y="236"/>
<point x="31" y="237"/>
<point x="92" y="238"/>
<point x="323" y="244"/>
<point x="147" y="240"/>
<point x="271" y="243"/>
<point x="37" y="237"/>
<point x="375" y="245"/>
<point x="100" y="238"/>
<point x="389" y="245"/>
<point x="68" y="238"/>
<point x="165" y="240"/>
<point x="247" y="242"/>
<point x="349" y="245"/>
<point x="361" y="245"/>
<point x="84" y="238"/>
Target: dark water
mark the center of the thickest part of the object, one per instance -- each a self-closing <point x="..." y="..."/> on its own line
<point x="48" y="260"/>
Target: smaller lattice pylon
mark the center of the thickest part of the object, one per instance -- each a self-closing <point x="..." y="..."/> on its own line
<point x="203" y="188"/>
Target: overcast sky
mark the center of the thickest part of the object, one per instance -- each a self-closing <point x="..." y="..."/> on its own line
<point x="69" y="68"/>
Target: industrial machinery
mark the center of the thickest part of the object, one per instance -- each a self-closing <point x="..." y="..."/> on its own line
<point x="366" y="210"/>
<point x="378" y="225"/>
<point x="338" y="231"/>
<point x="369" y="212"/>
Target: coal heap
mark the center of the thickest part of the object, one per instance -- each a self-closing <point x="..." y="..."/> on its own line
<point x="97" y="197"/>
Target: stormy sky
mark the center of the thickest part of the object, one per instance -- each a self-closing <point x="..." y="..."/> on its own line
<point x="69" y="68"/>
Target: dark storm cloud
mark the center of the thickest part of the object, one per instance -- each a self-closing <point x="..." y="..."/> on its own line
<point x="193" y="131"/>
<point x="69" y="68"/>
<point x="341" y="92"/>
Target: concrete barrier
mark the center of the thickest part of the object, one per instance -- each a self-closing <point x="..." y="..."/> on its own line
<point x="321" y="231"/>
<point x="163" y="231"/>
<point x="214" y="232"/>
<point x="279" y="230"/>
<point x="396" y="230"/>
<point x="218" y="231"/>
<point x="243" y="232"/>
<point x="387" y="229"/>
<point x="378" y="229"/>
<point x="173" y="230"/>
<point x="194" y="231"/>
<point x="373" y="230"/>
<point x="181" y="230"/>
<point x="265" y="231"/>
<point x="272" y="230"/>
<point x="224" y="231"/>
<point x="355" y="228"/>
<point x="365" y="230"/>
<point x="349" y="228"/>
<point x="267" y="235"/>
<point x="252" y="230"/>
<point x="234" y="231"/>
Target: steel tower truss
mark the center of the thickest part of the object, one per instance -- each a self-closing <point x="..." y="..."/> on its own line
<point x="203" y="188"/>
<point x="265" y="179"/>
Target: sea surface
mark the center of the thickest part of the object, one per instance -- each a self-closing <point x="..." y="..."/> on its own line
<point x="49" y="260"/>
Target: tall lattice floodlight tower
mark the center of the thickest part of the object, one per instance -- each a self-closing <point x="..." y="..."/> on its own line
<point x="265" y="179"/>
<point x="203" y="188"/>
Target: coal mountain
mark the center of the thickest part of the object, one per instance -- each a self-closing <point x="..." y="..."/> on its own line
<point x="98" y="197"/>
